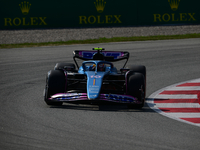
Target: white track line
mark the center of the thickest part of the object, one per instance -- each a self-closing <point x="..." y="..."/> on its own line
<point x="178" y="96"/>
<point x="185" y="115"/>
<point x="195" y="81"/>
<point x="187" y="88"/>
<point x="177" y="105"/>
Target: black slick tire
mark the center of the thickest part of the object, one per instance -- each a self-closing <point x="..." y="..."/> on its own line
<point x="65" y="66"/>
<point x="136" y="88"/>
<point x="55" y="83"/>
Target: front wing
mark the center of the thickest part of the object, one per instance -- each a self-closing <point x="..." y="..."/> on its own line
<point x="70" y="97"/>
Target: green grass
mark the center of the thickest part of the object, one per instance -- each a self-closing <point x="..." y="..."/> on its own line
<point x="102" y="40"/>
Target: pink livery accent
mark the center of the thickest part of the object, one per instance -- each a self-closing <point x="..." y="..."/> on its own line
<point x="66" y="97"/>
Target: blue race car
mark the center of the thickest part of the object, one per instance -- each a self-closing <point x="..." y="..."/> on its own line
<point x="96" y="80"/>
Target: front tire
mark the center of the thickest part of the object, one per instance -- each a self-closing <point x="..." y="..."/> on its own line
<point x="55" y="83"/>
<point x="138" y="68"/>
<point x="136" y="88"/>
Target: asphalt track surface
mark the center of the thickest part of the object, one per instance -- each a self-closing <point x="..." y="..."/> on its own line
<point x="27" y="123"/>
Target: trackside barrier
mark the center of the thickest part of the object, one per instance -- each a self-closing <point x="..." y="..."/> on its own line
<point x="30" y="14"/>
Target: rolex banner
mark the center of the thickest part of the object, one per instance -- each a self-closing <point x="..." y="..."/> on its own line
<point x="34" y="14"/>
<point x="159" y="12"/>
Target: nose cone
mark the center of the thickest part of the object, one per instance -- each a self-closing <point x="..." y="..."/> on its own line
<point x="94" y="82"/>
<point x="93" y="92"/>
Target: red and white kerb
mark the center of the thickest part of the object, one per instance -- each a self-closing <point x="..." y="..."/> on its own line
<point x="180" y="101"/>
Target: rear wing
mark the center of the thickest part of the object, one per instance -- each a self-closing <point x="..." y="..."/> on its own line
<point x="110" y="56"/>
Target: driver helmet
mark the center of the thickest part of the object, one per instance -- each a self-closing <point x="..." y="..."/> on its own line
<point x="92" y="67"/>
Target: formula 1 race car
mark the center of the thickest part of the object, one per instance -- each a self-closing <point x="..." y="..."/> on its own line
<point x="96" y="80"/>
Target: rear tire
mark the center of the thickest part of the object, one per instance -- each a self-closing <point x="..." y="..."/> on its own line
<point x="55" y="83"/>
<point x="65" y="66"/>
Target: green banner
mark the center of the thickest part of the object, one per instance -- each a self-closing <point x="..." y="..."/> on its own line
<point x="60" y="14"/>
<point x="34" y="14"/>
<point x="156" y="12"/>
